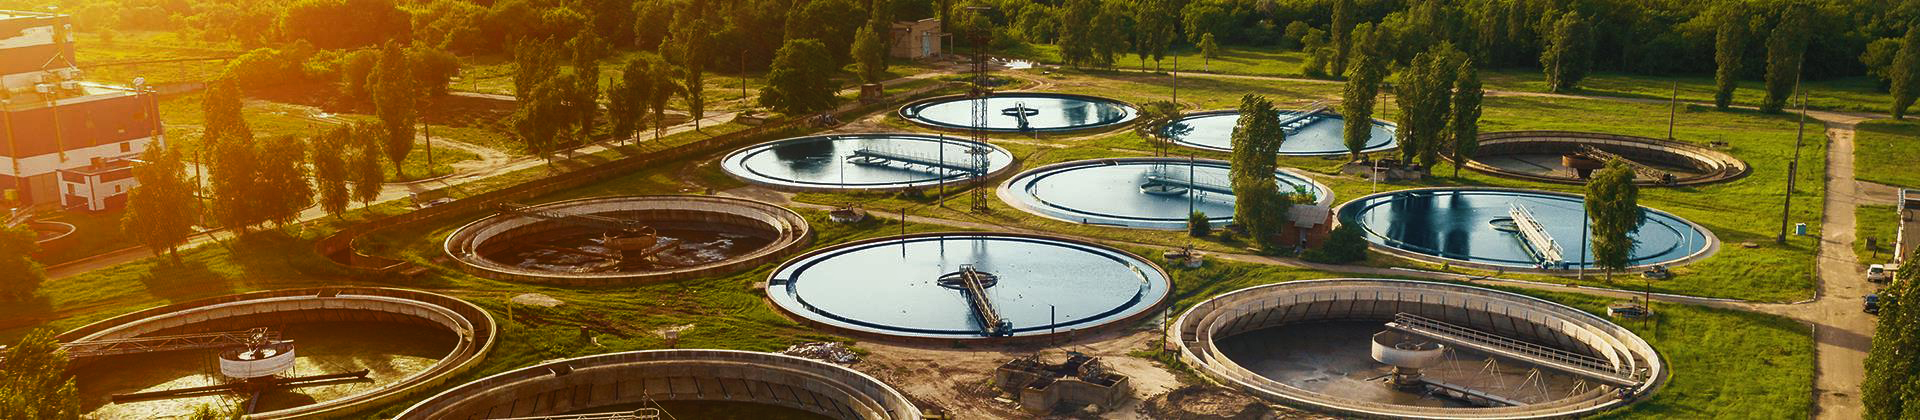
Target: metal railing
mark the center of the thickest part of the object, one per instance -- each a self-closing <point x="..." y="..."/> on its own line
<point x="1540" y="244"/>
<point x="99" y="348"/>
<point x="1543" y="356"/>
<point x="881" y="156"/>
<point x="1302" y="120"/>
<point x="589" y="220"/>
<point x="1605" y="156"/>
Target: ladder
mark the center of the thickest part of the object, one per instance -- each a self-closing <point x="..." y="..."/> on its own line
<point x="1534" y="236"/>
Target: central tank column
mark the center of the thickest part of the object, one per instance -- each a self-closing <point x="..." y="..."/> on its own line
<point x="1407" y="354"/>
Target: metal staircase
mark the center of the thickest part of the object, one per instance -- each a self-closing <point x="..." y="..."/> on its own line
<point x="1534" y="236"/>
<point x="1547" y="357"/>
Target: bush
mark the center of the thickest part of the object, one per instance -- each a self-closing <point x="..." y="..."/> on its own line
<point x="1197" y="224"/>
<point x="1345" y="245"/>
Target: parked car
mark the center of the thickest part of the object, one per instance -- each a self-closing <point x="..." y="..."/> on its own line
<point x="1873" y="303"/>
<point x="1878" y="273"/>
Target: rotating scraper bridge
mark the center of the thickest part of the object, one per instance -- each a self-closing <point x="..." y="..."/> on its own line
<point x="1513" y="327"/>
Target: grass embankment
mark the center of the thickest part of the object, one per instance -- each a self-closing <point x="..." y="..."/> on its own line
<point x="1884" y="151"/>
<point x="1857" y="94"/>
<point x="1740" y="211"/>
<point x="1882" y="224"/>
<point x="185" y="121"/>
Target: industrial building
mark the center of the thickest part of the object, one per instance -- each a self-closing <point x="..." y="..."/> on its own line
<point x="64" y="142"/>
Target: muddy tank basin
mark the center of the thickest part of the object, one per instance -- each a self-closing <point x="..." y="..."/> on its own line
<point x="609" y="241"/>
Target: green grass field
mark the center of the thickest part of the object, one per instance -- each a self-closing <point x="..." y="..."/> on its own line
<point x="1885" y="151"/>
<point x="1880" y="223"/>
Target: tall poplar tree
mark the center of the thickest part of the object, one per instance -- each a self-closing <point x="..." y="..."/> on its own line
<point x="1342" y="35"/>
<point x="330" y="169"/>
<point x="1729" y="47"/>
<point x="1424" y="94"/>
<point x="1569" y="54"/>
<point x="1905" y="73"/>
<point x="1259" y="205"/>
<point x="282" y="189"/>
<point x="1786" y="50"/>
<point x="162" y="210"/>
<point x="587" y="49"/>
<point x="394" y="100"/>
<point x="1613" y="203"/>
<point x="1463" y="128"/>
<point x="363" y="163"/>
<point x="1362" y="90"/>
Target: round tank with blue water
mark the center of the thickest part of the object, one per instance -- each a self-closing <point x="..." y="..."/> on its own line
<point x="1148" y="193"/>
<point x="866" y="161"/>
<point x="968" y="286"/>
<point x="1510" y="229"/>
<point x="1310" y="132"/>
<point x="1022" y="112"/>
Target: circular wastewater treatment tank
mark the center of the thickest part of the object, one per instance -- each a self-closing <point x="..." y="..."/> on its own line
<point x="406" y="340"/>
<point x="1568" y="157"/>
<point x="1021" y="112"/>
<point x="685" y="384"/>
<point x="610" y="241"/>
<point x="1309" y="133"/>
<point x="1482" y="227"/>
<point x="875" y="162"/>
<point x="1149" y="193"/>
<point x="1464" y="352"/>
<point x="922" y="286"/>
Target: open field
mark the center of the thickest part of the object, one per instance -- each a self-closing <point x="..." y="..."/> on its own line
<point x="1886" y="152"/>
<point x="1880" y="223"/>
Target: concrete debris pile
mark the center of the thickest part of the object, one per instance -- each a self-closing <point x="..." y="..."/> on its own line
<point x="831" y="352"/>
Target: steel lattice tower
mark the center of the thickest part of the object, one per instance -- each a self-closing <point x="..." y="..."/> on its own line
<point x="978" y="96"/>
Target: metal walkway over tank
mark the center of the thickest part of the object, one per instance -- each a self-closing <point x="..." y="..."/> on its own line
<point x="1174" y="176"/>
<point x="1532" y="234"/>
<point x="883" y="156"/>
<point x="973" y="283"/>
<point x="1315" y="113"/>
<point x="101" y="348"/>
<point x="588" y="220"/>
<point x="1547" y="357"/>
<point x="1643" y="170"/>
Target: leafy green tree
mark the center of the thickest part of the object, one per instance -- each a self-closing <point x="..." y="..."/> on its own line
<point x="355" y="67"/>
<point x="1076" y="37"/>
<point x="161" y="212"/>
<point x="689" y="38"/>
<point x="1729" y="47"/>
<point x="1342" y="29"/>
<point x="627" y="97"/>
<point x="282" y="188"/>
<point x="36" y="386"/>
<point x="587" y="48"/>
<point x="1209" y="50"/>
<point x="1314" y="42"/>
<point x="1347" y="243"/>
<point x="534" y="62"/>
<point x="1424" y="94"/>
<point x="1258" y="203"/>
<point x="870" y="55"/>
<point x="1569" y="54"/>
<point x="1197" y="225"/>
<point x="330" y="169"/>
<point x="1888" y="391"/>
<point x="337" y="24"/>
<point x="432" y="69"/>
<point x="1905" y="72"/>
<point x="394" y="102"/>
<point x="1109" y="32"/>
<point x="1463" y="128"/>
<point x="801" y="81"/>
<point x="1613" y="203"/>
<point x="545" y="115"/>
<point x="1361" y="91"/>
<point x="1786" y="51"/>
<point x="20" y="276"/>
<point x="1156" y="24"/>
<point x="664" y="89"/>
<point x="234" y="169"/>
<point x="363" y="163"/>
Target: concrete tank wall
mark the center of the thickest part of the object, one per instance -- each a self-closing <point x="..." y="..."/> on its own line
<point x="788" y="231"/>
<point x="1713" y="165"/>
<point x="669" y="375"/>
<point x="473" y="325"/>
<point x="1503" y="313"/>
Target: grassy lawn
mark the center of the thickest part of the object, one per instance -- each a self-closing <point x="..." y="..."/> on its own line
<point x="130" y="47"/>
<point x="1885" y="151"/>
<point x="93" y="233"/>
<point x="1860" y="94"/>
<point x="1882" y="224"/>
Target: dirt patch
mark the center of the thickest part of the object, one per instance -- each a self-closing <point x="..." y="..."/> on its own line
<point x="959" y="379"/>
<point x="1206" y="402"/>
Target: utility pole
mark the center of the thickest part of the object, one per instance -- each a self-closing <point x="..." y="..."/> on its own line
<point x="743" y="78"/>
<point x="1176" y="81"/>
<point x="1793" y="168"/>
<point x="1673" y="106"/>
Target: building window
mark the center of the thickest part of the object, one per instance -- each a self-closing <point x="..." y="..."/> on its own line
<point x="126" y="147"/>
<point x="71" y="190"/>
<point x="116" y="189"/>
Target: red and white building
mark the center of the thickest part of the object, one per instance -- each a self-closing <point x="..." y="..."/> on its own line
<point x="64" y="142"/>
